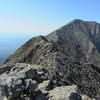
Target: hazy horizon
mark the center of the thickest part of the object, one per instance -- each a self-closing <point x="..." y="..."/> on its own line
<point x="9" y="44"/>
<point x="44" y="16"/>
<point x="22" y="19"/>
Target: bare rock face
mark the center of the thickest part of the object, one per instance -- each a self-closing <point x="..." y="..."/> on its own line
<point x="65" y="93"/>
<point x="79" y="40"/>
<point x="21" y="83"/>
<point x="15" y="87"/>
<point x="5" y="68"/>
<point x="69" y="55"/>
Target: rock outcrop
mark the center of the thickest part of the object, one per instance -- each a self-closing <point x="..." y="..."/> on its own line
<point x="69" y="55"/>
<point x="64" y="93"/>
<point x="27" y="87"/>
<point x="78" y="40"/>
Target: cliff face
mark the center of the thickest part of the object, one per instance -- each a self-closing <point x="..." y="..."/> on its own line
<point x="71" y="54"/>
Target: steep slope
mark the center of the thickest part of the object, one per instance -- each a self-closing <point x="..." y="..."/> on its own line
<point x="24" y="81"/>
<point x="36" y="51"/>
<point x="71" y="54"/>
<point x="81" y="39"/>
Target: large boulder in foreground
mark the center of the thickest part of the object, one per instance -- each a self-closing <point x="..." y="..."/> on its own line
<point x="65" y="93"/>
<point x="29" y="82"/>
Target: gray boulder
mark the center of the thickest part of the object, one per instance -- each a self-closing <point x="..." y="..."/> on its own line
<point x="44" y="87"/>
<point x="24" y="71"/>
<point x="65" y="93"/>
<point x="30" y="82"/>
<point x="10" y="86"/>
<point x="21" y="82"/>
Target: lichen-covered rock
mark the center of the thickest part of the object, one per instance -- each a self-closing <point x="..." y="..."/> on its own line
<point x="5" y="68"/>
<point x="21" y="82"/>
<point x="65" y="93"/>
<point x="25" y="71"/>
<point x="33" y="82"/>
<point x="44" y="86"/>
<point x="10" y="86"/>
<point x="2" y="93"/>
<point x="85" y="97"/>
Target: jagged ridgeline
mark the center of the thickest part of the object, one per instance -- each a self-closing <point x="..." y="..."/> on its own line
<point x="78" y="40"/>
<point x="71" y="53"/>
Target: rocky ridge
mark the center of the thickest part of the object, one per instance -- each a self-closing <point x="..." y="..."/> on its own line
<point x="28" y="82"/>
<point x="70" y="55"/>
<point x="78" y="41"/>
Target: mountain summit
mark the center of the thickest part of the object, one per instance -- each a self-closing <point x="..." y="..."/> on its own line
<point x="78" y="41"/>
<point x="81" y="39"/>
<point x="71" y="54"/>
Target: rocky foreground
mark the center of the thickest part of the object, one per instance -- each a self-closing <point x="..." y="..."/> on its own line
<point x="63" y="65"/>
<point x="29" y="82"/>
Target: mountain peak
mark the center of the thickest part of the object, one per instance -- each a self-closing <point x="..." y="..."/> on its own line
<point x="72" y="53"/>
<point x="84" y="21"/>
<point x="83" y="34"/>
<point x="77" y="20"/>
